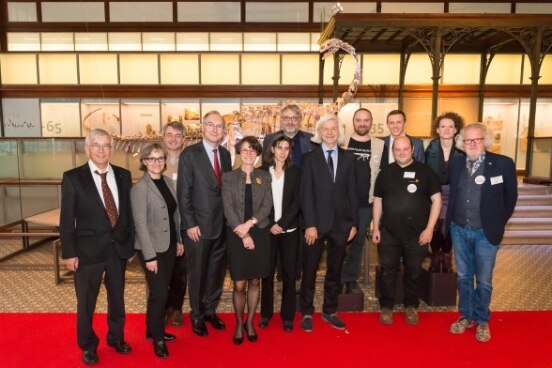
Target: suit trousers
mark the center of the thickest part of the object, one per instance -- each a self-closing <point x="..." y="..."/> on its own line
<point x="391" y="250"/>
<point x="336" y="241"/>
<point x="206" y="268"/>
<point x="178" y="284"/>
<point x="88" y="278"/>
<point x="283" y="246"/>
<point x="158" y="291"/>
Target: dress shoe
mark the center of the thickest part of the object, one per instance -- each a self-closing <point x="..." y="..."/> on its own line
<point x="89" y="357"/>
<point x="352" y="287"/>
<point x="215" y="321"/>
<point x="166" y="336"/>
<point x="238" y="340"/>
<point x="264" y="322"/>
<point x="288" y="326"/>
<point x="160" y="349"/>
<point x="176" y="317"/>
<point x="251" y="337"/>
<point x="199" y="328"/>
<point x="386" y="316"/>
<point x="412" y="317"/>
<point x="120" y="347"/>
<point x="306" y="323"/>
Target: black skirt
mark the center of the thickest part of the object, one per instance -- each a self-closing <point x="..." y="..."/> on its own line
<point x="245" y="264"/>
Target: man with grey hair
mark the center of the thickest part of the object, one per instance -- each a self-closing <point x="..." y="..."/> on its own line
<point x="330" y="215"/>
<point x="173" y="139"/>
<point x="97" y="238"/>
<point x="483" y="195"/>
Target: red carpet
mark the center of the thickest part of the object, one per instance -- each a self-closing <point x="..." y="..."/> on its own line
<point x="520" y="339"/>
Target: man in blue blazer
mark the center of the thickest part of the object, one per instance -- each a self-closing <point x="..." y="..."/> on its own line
<point x="396" y="121"/>
<point x="483" y="195"/>
<point x="97" y="237"/>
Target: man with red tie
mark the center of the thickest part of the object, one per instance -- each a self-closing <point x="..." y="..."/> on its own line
<point x="200" y="202"/>
<point x="96" y="232"/>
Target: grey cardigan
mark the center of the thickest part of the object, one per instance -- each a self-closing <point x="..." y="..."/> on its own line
<point x="233" y="197"/>
<point x="151" y="222"/>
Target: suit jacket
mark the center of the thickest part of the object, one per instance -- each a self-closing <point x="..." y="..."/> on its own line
<point x="233" y="197"/>
<point x="149" y="210"/>
<point x="419" y="154"/>
<point x="290" y="199"/>
<point x="304" y="138"/>
<point x="325" y="204"/>
<point x="198" y="192"/>
<point x="377" y="147"/>
<point x="498" y="200"/>
<point x="84" y="226"/>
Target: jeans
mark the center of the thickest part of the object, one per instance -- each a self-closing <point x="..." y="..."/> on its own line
<point x="351" y="267"/>
<point x="475" y="257"/>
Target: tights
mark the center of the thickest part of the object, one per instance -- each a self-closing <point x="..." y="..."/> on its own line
<point x="239" y="297"/>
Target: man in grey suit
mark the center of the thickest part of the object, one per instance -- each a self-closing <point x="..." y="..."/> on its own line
<point x="202" y="221"/>
<point x="396" y="122"/>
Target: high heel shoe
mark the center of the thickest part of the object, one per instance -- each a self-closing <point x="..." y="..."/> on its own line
<point x="237" y="340"/>
<point x="252" y="337"/>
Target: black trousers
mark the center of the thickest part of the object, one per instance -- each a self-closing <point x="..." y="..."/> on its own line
<point x="158" y="287"/>
<point x="390" y="251"/>
<point x="178" y="284"/>
<point x="336" y="241"/>
<point x="283" y="246"/>
<point x="206" y="267"/>
<point x="441" y="243"/>
<point x="88" y="279"/>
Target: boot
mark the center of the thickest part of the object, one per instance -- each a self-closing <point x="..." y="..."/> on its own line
<point x="446" y="263"/>
<point x="435" y="264"/>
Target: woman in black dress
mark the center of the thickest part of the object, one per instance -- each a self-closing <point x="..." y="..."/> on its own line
<point x="284" y="231"/>
<point x="247" y="200"/>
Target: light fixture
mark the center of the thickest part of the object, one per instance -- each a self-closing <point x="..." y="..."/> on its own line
<point x="336" y="9"/>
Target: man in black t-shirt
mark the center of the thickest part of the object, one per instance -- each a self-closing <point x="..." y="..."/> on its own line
<point x="407" y="200"/>
<point x="368" y="151"/>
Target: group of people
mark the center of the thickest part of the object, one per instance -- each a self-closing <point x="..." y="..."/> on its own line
<point x="288" y="200"/>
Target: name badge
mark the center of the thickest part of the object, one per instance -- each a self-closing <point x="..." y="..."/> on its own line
<point x="174" y="176"/>
<point x="497" y="180"/>
<point x="409" y="175"/>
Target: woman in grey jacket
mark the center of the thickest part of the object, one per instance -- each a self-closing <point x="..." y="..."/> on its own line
<point x="156" y="220"/>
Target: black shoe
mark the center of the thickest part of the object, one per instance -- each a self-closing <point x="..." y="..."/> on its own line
<point x="120" y="347"/>
<point x="264" y="322"/>
<point x="89" y="357"/>
<point x="252" y="337"/>
<point x="215" y="321"/>
<point x="237" y="340"/>
<point x="199" y="328"/>
<point x="352" y="287"/>
<point x="166" y="336"/>
<point x="160" y="349"/>
<point x="288" y="326"/>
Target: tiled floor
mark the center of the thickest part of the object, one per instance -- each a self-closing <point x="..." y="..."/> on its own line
<point x="522" y="281"/>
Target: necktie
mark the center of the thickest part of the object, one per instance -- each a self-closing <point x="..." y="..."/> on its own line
<point x="216" y="167"/>
<point x="110" y="206"/>
<point x="331" y="164"/>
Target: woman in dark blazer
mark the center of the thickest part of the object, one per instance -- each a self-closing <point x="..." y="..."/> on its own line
<point x="247" y="200"/>
<point x="156" y="220"/>
<point x="284" y="232"/>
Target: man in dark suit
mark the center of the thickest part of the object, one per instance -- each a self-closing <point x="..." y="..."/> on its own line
<point x="202" y="221"/>
<point x="483" y="195"/>
<point x="96" y="232"/>
<point x="396" y="122"/>
<point x="330" y="213"/>
<point x="290" y="119"/>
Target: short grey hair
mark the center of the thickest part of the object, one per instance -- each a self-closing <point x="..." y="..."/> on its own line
<point x="97" y="132"/>
<point x="295" y="109"/>
<point x="323" y="120"/>
<point x="460" y="137"/>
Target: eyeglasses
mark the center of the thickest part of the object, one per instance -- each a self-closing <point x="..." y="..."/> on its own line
<point x="96" y="146"/>
<point x="246" y="151"/>
<point x="158" y="160"/>
<point x="287" y="119"/>
<point x="474" y="140"/>
<point x="214" y="126"/>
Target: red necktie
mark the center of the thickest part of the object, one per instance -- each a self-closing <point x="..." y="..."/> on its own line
<point x="110" y="206"/>
<point x="216" y="165"/>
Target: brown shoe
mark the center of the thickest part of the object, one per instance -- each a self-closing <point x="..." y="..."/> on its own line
<point x="177" y="318"/>
<point x="386" y="316"/>
<point x="460" y="326"/>
<point x="483" y="332"/>
<point x="412" y="317"/>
